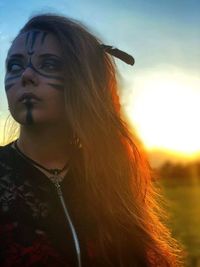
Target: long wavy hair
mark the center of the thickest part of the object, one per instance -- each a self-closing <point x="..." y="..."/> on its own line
<point x="120" y="195"/>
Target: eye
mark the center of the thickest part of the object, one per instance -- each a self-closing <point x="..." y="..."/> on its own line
<point x="14" y="66"/>
<point x="51" y="65"/>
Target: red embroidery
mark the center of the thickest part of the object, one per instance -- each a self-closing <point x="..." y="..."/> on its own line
<point x="17" y="255"/>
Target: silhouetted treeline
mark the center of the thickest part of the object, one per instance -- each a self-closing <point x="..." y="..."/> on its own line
<point x="170" y="170"/>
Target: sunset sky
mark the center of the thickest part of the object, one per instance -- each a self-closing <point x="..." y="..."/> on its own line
<point x="161" y="92"/>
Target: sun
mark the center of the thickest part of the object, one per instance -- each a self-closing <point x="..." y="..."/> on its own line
<point x="165" y="111"/>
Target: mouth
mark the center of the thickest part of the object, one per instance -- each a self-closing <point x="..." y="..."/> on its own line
<point x="30" y="97"/>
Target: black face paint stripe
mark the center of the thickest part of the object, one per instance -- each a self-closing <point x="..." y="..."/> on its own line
<point x="34" y="36"/>
<point x="12" y="78"/>
<point x="27" y="40"/>
<point x="30" y="65"/>
<point x="31" y="40"/>
<point x="29" y="116"/>
<point x="8" y="86"/>
<point x="30" y="53"/>
<point x="44" y="75"/>
<point x="56" y="86"/>
<point x="44" y="35"/>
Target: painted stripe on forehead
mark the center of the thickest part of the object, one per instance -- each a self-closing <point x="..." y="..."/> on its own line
<point x="27" y="38"/>
<point x="31" y="38"/>
<point x="44" y="35"/>
<point x="34" y="37"/>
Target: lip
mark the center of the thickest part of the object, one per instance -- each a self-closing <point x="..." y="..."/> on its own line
<point x="28" y="96"/>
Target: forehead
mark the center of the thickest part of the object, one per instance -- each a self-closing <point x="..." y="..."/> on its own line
<point x="35" y="41"/>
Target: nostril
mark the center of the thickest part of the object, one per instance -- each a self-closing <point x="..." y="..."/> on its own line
<point x="28" y="77"/>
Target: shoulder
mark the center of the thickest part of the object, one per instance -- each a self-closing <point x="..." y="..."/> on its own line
<point x="5" y="150"/>
<point x="6" y="158"/>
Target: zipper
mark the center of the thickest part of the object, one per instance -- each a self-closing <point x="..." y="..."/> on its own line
<point x="72" y="228"/>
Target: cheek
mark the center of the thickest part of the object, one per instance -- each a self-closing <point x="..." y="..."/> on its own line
<point x="52" y="88"/>
<point x="11" y="98"/>
<point x="57" y="102"/>
<point x="53" y="109"/>
<point x="12" y="104"/>
<point x="12" y="88"/>
<point x="52" y="82"/>
<point x="10" y="84"/>
<point x="53" y="97"/>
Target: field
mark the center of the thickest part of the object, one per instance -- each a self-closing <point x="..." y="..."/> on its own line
<point x="183" y="202"/>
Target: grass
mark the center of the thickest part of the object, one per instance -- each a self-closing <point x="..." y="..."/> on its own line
<point x="183" y="201"/>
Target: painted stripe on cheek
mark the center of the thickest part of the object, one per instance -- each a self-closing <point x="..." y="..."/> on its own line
<point x="12" y="78"/>
<point x="57" y="86"/>
<point x="8" y="86"/>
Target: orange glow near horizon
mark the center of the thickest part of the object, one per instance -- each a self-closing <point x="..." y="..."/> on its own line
<point x="164" y="109"/>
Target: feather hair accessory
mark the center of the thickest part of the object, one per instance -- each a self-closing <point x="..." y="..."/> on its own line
<point x="118" y="53"/>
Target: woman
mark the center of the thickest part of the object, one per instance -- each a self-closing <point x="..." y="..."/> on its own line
<point x="75" y="188"/>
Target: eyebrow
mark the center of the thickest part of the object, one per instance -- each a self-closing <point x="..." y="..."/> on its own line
<point x="49" y="55"/>
<point x="16" y="55"/>
<point x="41" y="56"/>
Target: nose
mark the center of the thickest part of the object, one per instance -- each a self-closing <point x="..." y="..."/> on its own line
<point x="29" y="77"/>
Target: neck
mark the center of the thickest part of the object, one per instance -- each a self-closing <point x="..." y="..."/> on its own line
<point x="48" y="146"/>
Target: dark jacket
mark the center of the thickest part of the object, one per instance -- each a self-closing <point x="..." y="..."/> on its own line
<point x="33" y="228"/>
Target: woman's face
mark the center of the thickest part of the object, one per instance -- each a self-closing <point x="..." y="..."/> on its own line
<point x="34" y="79"/>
